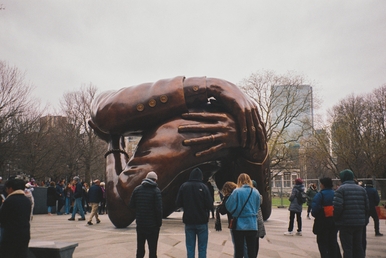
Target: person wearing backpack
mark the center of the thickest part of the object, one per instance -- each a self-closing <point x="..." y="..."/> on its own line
<point x="296" y="198"/>
<point x="324" y="227"/>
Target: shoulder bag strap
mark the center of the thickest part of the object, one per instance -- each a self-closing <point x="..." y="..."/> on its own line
<point x="245" y="203"/>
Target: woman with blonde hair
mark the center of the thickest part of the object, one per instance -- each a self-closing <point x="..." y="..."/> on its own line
<point x="243" y="204"/>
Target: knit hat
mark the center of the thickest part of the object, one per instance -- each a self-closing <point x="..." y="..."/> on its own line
<point x="76" y="178"/>
<point x="298" y="181"/>
<point x="152" y="175"/>
<point x="346" y="175"/>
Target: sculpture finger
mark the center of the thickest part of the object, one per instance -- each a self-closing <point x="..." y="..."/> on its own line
<point x="200" y="140"/>
<point x="204" y="116"/>
<point x="211" y="150"/>
<point x="201" y="128"/>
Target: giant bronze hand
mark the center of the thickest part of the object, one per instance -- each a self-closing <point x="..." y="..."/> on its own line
<point x="172" y="145"/>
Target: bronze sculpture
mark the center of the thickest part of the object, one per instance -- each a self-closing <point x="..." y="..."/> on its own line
<point x="184" y="122"/>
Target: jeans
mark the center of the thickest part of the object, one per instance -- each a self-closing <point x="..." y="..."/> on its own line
<point x="151" y="235"/>
<point x="351" y="240"/>
<point x="67" y="205"/>
<point x="49" y="209"/>
<point x="78" y="207"/>
<point x="201" y="231"/>
<point x="298" y="219"/>
<point x="60" y="206"/>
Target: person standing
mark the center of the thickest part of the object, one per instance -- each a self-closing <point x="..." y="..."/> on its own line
<point x="374" y="199"/>
<point x="324" y="227"/>
<point x="60" y="196"/>
<point x="295" y="208"/>
<point x="244" y="203"/>
<point x="15" y="215"/>
<point x="102" y="207"/>
<point x="195" y="199"/>
<point x="147" y="202"/>
<point x="351" y="207"/>
<point x="94" y="197"/>
<point x="28" y="193"/>
<point x="311" y="192"/>
<point x="78" y="194"/>
<point x="68" y="195"/>
<point x="51" y="197"/>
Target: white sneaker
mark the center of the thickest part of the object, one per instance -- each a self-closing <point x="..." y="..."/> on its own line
<point x="289" y="233"/>
<point x="299" y="233"/>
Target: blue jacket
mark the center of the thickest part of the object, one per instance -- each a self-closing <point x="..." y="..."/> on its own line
<point x="373" y="196"/>
<point x="351" y="205"/>
<point x="194" y="197"/>
<point x="95" y="194"/>
<point x="247" y="220"/>
<point x="317" y="205"/>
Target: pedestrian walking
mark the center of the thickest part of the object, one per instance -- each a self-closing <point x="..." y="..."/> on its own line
<point x="95" y="195"/>
<point x="311" y="192"/>
<point x="296" y="208"/>
<point x="78" y="194"/>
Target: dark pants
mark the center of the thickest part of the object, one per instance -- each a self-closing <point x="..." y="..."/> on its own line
<point x="298" y="219"/>
<point x="60" y="206"/>
<point x="308" y="210"/>
<point x="151" y="236"/>
<point x="351" y="240"/>
<point x="328" y="243"/>
<point x="17" y="249"/>
<point x="247" y="236"/>
<point x="373" y="213"/>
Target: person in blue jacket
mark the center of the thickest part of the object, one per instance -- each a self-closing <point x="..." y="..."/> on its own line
<point x="324" y="227"/>
<point x="246" y="229"/>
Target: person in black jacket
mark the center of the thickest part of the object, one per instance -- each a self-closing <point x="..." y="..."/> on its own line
<point x="351" y="207"/>
<point x="373" y="196"/>
<point x="51" y="197"/>
<point x="60" y="196"/>
<point x="195" y="199"/>
<point x="147" y="202"/>
<point x="95" y="195"/>
<point x="15" y="215"/>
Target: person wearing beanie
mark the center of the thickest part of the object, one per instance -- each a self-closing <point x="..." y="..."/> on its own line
<point x="195" y="199"/>
<point x="351" y="207"/>
<point x="295" y="208"/>
<point x="146" y="200"/>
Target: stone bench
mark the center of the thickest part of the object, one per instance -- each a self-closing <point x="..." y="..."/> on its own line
<point x="52" y="249"/>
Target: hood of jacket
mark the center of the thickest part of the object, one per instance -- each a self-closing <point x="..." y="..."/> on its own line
<point x="346" y="175"/>
<point x="148" y="183"/>
<point x="196" y="175"/>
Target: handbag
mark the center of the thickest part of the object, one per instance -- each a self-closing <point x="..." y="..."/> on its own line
<point x="233" y="221"/>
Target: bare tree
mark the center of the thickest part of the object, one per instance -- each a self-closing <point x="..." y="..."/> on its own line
<point x="19" y="114"/>
<point x="82" y="148"/>
<point x="285" y="104"/>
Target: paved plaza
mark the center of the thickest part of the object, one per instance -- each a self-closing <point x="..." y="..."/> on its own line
<point x="104" y="240"/>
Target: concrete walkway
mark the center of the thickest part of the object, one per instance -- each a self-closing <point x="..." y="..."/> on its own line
<point x="104" y="240"/>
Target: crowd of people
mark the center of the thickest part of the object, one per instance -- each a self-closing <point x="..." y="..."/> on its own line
<point x="346" y="210"/>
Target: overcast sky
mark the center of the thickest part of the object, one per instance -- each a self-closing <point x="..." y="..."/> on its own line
<point x="340" y="46"/>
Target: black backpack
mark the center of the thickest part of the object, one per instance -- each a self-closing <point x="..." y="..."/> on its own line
<point x="302" y="197"/>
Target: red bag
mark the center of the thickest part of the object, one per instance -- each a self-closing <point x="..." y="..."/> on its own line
<point x="381" y="211"/>
<point x="328" y="211"/>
